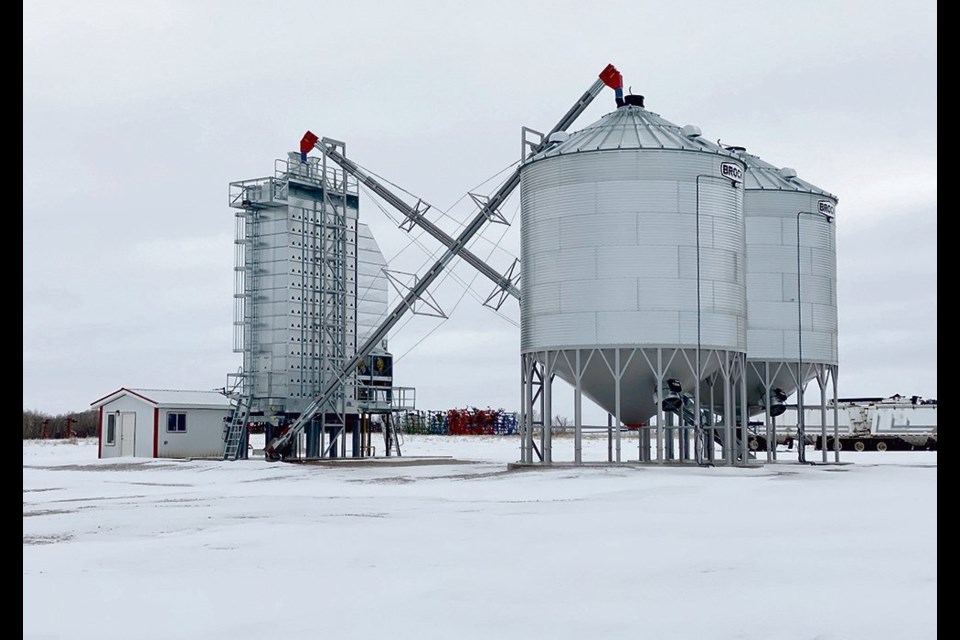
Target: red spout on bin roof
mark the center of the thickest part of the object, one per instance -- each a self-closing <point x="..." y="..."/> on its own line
<point x="306" y="143"/>
<point x="611" y="77"/>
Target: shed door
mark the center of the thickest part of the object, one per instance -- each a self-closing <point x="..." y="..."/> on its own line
<point x="128" y="430"/>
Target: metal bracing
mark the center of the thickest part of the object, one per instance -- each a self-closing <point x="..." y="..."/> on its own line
<point x="527" y="409"/>
<point x="415" y="216"/>
<point x="533" y="382"/>
<point x="548" y="377"/>
<point x="617" y="368"/>
<point x="282" y="445"/>
<point x="539" y="369"/>
<point x="768" y="372"/>
<point x="825" y="375"/>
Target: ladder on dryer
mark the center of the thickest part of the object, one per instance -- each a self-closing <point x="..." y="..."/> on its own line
<point x="235" y="435"/>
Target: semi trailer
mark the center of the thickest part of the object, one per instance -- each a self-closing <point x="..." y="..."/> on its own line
<point x="866" y="424"/>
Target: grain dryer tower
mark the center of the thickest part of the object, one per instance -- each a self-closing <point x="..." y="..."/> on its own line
<point x="791" y="290"/>
<point x="634" y="282"/>
<point x="309" y="284"/>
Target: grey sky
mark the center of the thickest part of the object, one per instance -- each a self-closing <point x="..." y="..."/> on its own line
<point x="136" y="116"/>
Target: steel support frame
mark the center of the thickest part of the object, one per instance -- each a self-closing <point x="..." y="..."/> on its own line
<point x="538" y="371"/>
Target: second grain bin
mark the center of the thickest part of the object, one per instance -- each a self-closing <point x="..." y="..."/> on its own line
<point x="792" y="327"/>
<point x="633" y="272"/>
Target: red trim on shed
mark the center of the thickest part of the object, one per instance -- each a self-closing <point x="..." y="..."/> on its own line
<point x="156" y="430"/>
<point x="100" y="434"/>
<point x="119" y="392"/>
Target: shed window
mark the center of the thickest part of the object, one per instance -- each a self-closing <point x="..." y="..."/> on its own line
<point x="111" y="428"/>
<point x="176" y="422"/>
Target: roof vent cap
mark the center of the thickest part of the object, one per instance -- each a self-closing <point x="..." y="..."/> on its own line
<point x="788" y="173"/>
<point x="692" y="131"/>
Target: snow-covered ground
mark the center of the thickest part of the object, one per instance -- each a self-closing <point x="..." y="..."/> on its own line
<point x="160" y="549"/>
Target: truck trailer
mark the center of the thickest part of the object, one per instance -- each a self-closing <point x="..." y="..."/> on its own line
<point x="866" y="424"/>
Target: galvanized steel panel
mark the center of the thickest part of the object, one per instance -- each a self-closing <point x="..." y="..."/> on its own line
<point x="716" y="329"/>
<point x="638" y="195"/>
<point x="607" y="230"/>
<point x="563" y="328"/>
<point x="721" y="265"/>
<point x="764" y="231"/>
<point x="647" y="263"/>
<point x="604" y="295"/>
<point x="542" y="298"/>
<point x="630" y="192"/>
<point x="772" y="223"/>
<point x="372" y="289"/>
<point x="663" y="295"/>
<point x="621" y="253"/>
<point x="724" y="298"/>
<point x="761" y="175"/>
<point x="559" y="266"/>
<point x="771" y="261"/>
<point x="823" y="318"/>
<point x="658" y="327"/>
<point x="630" y="127"/>
<point x="766" y="341"/>
<point x="619" y="327"/>
<point x="539" y="236"/>
<point x="668" y="229"/>
<point x="762" y="288"/>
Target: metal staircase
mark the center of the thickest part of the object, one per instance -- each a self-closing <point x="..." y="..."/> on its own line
<point x="235" y="435"/>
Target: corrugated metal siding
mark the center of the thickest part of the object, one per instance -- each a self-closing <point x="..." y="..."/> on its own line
<point x="645" y="248"/>
<point x="773" y="313"/>
<point x="287" y="341"/>
<point x="573" y="264"/>
<point x="560" y="328"/>
<point x="761" y="175"/>
<point x="662" y="295"/>
<point x="598" y="295"/>
<point x="628" y="128"/>
<point x="638" y="195"/>
<point x="599" y="230"/>
<point x="648" y="263"/>
<point x="762" y="288"/>
<point x="372" y="286"/>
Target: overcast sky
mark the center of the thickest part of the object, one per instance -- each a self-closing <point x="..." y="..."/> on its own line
<point x="136" y="116"/>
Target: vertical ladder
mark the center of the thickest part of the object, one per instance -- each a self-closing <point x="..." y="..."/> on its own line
<point x="235" y="434"/>
<point x="334" y="342"/>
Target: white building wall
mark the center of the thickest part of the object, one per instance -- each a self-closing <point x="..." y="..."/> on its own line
<point x="143" y="432"/>
<point x="202" y="439"/>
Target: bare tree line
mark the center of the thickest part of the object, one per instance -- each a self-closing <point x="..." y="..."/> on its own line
<point x="37" y="425"/>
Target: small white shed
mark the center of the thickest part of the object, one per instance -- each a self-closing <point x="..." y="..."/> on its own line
<point x="161" y="423"/>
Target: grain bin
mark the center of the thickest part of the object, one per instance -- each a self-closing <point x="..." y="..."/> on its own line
<point x="791" y="283"/>
<point x="633" y="265"/>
